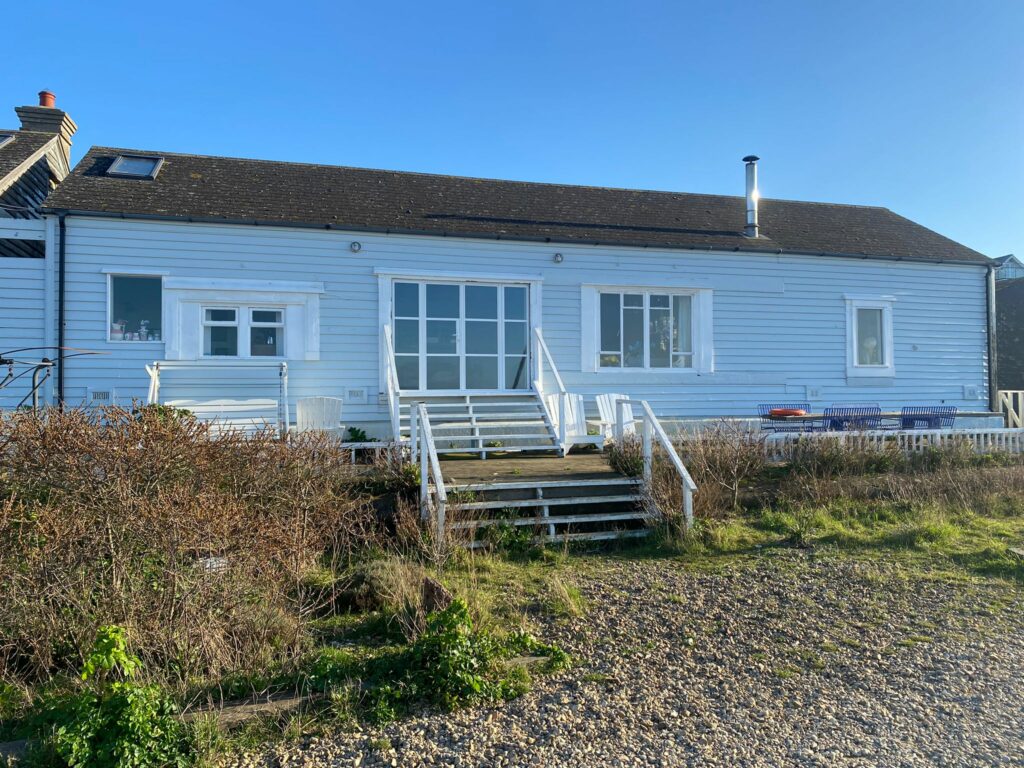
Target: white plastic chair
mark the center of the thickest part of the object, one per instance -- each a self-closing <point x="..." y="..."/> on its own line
<point x="318" y="414"/>
<point x="606" y="407"/>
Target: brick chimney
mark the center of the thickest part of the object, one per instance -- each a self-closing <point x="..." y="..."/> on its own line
<point x="46" y="118"/>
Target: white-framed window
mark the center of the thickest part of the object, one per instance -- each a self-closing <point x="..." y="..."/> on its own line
<point x="218" y="319"/>
<point x="134" y="308"/>
<point x="638" y="328"/>
<point x="243" y="331"/>
<point x="869" y="336"/>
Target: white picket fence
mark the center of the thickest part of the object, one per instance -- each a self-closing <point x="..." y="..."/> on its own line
<point x="781" y="446"/>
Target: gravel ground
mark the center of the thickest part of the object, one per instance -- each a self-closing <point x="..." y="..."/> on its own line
<point x="790" y="660"/>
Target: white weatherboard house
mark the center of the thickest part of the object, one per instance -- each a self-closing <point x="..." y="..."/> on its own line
<point x="197" y="277"/>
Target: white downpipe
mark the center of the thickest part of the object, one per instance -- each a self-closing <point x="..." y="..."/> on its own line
<point x="153" y="396"/>
<point x="282" y="409"/>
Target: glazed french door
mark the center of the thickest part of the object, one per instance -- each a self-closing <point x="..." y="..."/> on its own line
<point x="461" y="336"/>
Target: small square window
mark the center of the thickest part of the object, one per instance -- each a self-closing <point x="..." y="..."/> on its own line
<point x="135" y="308"/>
<point x="136" y="166"/>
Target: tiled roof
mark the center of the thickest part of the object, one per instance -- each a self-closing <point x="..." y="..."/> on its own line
<point x="236" y="190"/>
<point x="25" y="144"/>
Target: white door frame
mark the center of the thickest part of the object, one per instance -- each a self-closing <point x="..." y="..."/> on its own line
<point x="385" y="294"/>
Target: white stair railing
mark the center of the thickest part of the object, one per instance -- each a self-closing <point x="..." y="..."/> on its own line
<point x="652" y="429"/>
<point x="551" y="390"/>
<point x="391" y="383"/>
<point x="422" y="448"/>
<point x="1011" y="404"/>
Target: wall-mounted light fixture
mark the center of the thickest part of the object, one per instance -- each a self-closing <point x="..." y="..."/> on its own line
<point x="355" y="247"/>
<point x="558" y="258"/>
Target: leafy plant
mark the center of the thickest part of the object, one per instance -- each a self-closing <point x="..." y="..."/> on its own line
<point x="112" y="722"/>
<point x="452" y="665"/>
<point x="357" y="435"/>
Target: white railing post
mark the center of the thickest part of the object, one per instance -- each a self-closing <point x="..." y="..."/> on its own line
<point x="619" y="427"/>
<point x="563" y="417"/>
<point x="414" y="417"/>
<point x="391" y="383"/>
<point x="424" y="475"/>
<point x="282" y="410"/>
<point x="561" y="411"/>
<point x="648" y="450"/>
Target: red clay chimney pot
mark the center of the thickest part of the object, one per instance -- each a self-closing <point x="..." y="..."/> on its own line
<point x="47" y="99"/>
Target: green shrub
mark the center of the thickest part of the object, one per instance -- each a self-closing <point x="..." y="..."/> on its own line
<point x="112" y="722"/>
<point x="452" y="665"/>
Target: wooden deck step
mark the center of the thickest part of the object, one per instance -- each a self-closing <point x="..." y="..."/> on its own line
<point x="548" y="502"/>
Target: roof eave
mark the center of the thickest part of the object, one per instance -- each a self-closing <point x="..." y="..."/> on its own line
<point x="979" y="262"/>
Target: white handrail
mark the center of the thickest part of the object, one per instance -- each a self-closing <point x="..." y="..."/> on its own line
<point x="430" y="467"/>
<point x="1011" y="403"/>
<point x="652" y="428"/>
<point x="391" y="383"/>
<point x="542" y="356"/>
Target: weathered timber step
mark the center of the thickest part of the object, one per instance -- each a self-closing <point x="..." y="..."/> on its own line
<point x="544" y="484"/>
<point x="547" y="502"/>
<point x="491" y="436"/>
<point x="502" y="449"/>
<point x="596" y="517"/>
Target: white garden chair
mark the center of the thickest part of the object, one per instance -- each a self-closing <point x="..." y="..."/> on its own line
<point x="606" y="407"/>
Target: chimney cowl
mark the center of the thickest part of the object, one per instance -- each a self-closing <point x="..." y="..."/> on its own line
<point x="751" y="228"/>
<point x="47" y="99"/>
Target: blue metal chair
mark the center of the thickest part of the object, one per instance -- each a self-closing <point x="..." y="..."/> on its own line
<point x="842" y="417"/>
<point x="771" y="425"/>
<point x="927" y="416"/>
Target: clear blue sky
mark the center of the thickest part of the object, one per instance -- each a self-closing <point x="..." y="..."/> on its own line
<point x="916" y="106"/>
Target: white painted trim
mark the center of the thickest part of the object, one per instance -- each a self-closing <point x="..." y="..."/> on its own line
<point x="134" y="272"/>
<point x="272" y="286"/>
<point x="861" y="301"/>
<point x="185" y="297"/>
<point x="436" y="274"/>
<point x="703" y="328"/>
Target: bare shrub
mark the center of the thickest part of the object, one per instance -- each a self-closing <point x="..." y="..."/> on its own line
<point x="198" y="543"/>
<point x="725" y="456"/>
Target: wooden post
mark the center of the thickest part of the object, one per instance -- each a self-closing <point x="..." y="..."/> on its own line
<point x="424" y="474"/>
<point x="687" y="505"/>
<point x="414" y="417"/>
<point x="648" y="451"/>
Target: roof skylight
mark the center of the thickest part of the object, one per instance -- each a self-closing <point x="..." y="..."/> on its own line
<point x="136" y="166"/>
<point x="6" y="138"/>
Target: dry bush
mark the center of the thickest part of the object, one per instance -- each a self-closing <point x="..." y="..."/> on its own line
<point x="722" y="459"/>
<point x="199" y="544"/>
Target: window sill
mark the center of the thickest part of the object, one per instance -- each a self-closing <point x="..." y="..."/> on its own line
<point x="135" y="343"/>
<point x="861" y="372"/>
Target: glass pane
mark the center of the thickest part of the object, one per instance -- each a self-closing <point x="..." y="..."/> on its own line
<point x="682" y="361"/>
<point x="220" y="341"/>
<point x="633" y="338"/>
<point x="611" y="361"/>
<point x="407" y="300"/>
<point x="442" y="301"/>
<point x="659" y="337"/>
<point x="265" y="342"/>
<point x="682" y="327"/>
<point x="135" y="308"/>
<point x="266" y="316"/>
<point x="515" y="338"/>
<point x="481" y="338"/>
<point x="661" y="302"/>
<point x="515" y="303"/>
<point x="407" y="336"/>
<point x="611" y="334"/>
<point x="482" y="301"/>
<point x="442" y="373"/>
<point x="135" y="166"/>
<point x="441" y="337"/>
<point x="220" y="315"/>
<point x="870" y="349"/>
<point x="408" y="368"/>
<point x="633" y="300"/>
<point x="516" y="373"/>
<point x="481" y="372"/>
